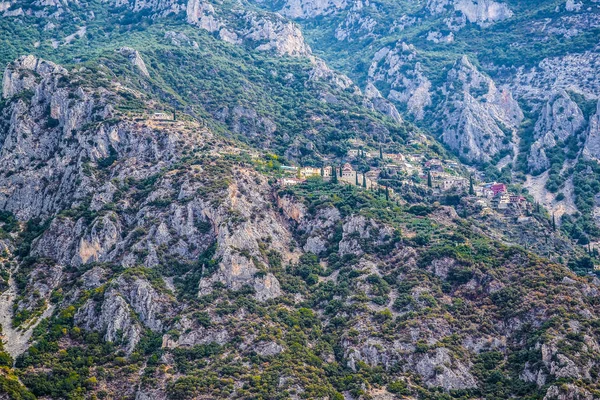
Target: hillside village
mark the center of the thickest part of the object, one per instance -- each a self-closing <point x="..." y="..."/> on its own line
<point x="441" y="177"/>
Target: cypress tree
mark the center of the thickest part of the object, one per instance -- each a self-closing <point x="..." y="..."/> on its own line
<point x="553" y="222"/>
<point x="387" y="193"/>
<point x="429" y="183"/>
<point x="322" y="171"/>
<point x="334" y="178"/>
<point x="356" y="176"/>
<point x="364" y="181"/>
<point x="471" y="188"/>
<point x="380" y="153"/>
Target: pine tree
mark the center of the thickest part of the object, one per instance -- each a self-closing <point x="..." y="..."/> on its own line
<point x="471" y="188"/>
<point x="429" y="183"/>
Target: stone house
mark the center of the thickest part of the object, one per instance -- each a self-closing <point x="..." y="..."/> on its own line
<point x="160" y="116"/>
<point x="290" y="181"/>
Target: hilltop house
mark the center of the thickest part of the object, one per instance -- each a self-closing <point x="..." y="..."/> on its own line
<point x="306" y="172"/>
<point x="347" y="171"/>
<point x="290" y="181"/>
<point x="160" y="116"/>
<point x="394" y="157"/>
<point x="288" y="169"/>
<point x="498" y="188"/>
<point x="453" y="182"/>
<point x="501" y="200"/>
<point x="434" y="162"/>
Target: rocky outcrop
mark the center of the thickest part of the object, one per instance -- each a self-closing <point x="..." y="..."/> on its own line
<point x="23" y="75"/>
<point x="479" y="119"/>
<point x="481" y="12"/>
<point x="275" y="34"/>
<point x="264" y="32"/>
<point x="202" y="14"/>
<point x="136" y="59"/>
<point x="568" y="392"/>
<point x="113" y="319"/>
<point x="559" y="119"/>
<point x="408" y="84"/>
<point x="375" y="100"/>
<point x="246" y="121"/>
<point x="438" y="370"/>
<point x="358" y="24"/>
<point x="321" y="72"/>
<point x="311" y="8"/>
<point x="237" y="224"/>
<point x="113" y="315"/>
<point x="591" y="149"/>
<point x="238" y="241"/>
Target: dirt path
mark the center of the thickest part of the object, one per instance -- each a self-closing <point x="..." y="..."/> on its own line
<point x="15" y="341"/>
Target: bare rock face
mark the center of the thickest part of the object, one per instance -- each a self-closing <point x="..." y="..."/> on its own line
<point x="559" y="119"/>
<point x="398" y="68"/>
<point x="574" y="71"/>
<point x="114" y="319"/>
<point x="147" y="303"/>
<point x="358" y="230"/>
<point x="275" y="34"/>
<point x="113" y="316"/>
<point x="321" y="72"/>
<point x="479" y="119"/>
<point x="311" y="8"/>
<point x="202" y="14"/>
<point x="160" y="7"/>
<point x="238" y="241"/>
<point x="481" y="12"/>
<point x="136" y="59"/>
<point x="47" y="121"/>
<point x="568" y="392"/>
<point x="246" y="121"/>
<point x="592" y="144"/>
<point x="20" y="75"/>
<point x="438" y="370"/>
<point x="375" y="100"/>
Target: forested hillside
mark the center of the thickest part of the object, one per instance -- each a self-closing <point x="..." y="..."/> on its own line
<point x="299" y="200"/>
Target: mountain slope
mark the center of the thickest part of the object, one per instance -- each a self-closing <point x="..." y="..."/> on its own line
<point x="149" y="250"/>
<point x="165" y="261"/>
<point x="535" y="105"/>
